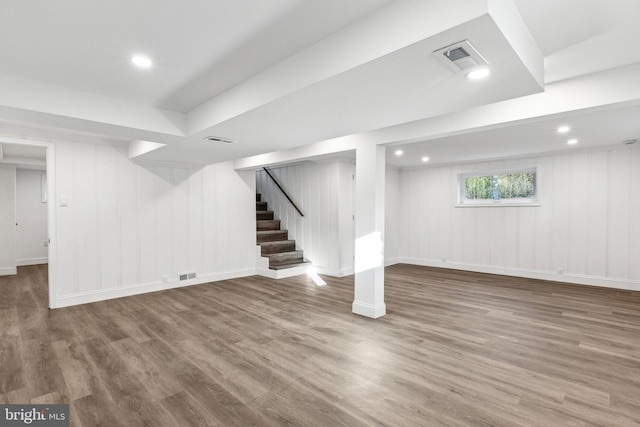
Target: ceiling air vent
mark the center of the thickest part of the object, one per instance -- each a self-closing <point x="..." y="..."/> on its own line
<point x="460" y="56"/>
<point x="218" y="139"/>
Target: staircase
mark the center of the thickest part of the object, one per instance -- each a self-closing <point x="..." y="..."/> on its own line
<point x="274" y="242"/>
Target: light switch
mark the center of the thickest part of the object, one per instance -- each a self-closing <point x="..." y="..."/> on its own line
<point x="64" y="201"/>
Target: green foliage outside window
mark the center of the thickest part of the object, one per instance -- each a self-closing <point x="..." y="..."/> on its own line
<point x="509" y="186"/>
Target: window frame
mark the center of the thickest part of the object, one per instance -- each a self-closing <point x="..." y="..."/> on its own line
<point x="462" y="201"/>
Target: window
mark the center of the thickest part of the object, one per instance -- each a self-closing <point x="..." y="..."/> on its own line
<point x="513" y="187"/>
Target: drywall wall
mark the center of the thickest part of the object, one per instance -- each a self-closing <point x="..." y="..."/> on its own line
<point x="585" y="227"/>
<point x="129" y="228"/>
<point x="324" y="193"/>
<point x="31" y="217"/>
<point x="7" y="219"/>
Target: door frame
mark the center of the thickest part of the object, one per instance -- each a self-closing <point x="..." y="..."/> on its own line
<point x="51" y="207"/>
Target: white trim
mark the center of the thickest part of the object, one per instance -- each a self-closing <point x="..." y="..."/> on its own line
<point x="8" y="271"/>
<point x="498" y="204"/>
<point x="52" y="225"/>
<point x="578" y="279"/>
<point x="51" y="207"/>
<point x="32" y="261"/>
<point x="283" y="273"/>
<point x="368" y="310"/>
<point x="391" y="261"/>
<point x="143" y="288"/>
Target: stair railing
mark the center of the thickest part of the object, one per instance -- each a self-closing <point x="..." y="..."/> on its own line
<point x="283" y="192"/>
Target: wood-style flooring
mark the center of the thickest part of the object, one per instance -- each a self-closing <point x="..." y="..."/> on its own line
<point x="456" y="348"/>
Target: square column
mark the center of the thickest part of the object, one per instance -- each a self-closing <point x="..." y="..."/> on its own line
<point x="369" y="245"/>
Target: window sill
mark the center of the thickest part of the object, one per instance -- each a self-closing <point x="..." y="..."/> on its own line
<point x="497" y="205"/>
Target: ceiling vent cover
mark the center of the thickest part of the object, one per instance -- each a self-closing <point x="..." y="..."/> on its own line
<point x="218" y="139"/>
<point x="460" y="56"/>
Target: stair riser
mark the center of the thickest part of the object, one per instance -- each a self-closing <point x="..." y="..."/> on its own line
<point x="268" y="225"/>
<point x="273" y="237"/>
<point x="285" y="258"/>
<point x="264" y="215"/>
<point x="270" y="248"/>
<point x="284" y="263"/>
<point x="304" y="264"/>
<point x="258" y="197"/>
<point x="261" y="206"/>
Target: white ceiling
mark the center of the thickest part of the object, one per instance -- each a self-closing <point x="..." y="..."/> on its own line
<point x="285" y="73"/>
<point x="200" y="48"/>
<point x="590" y="128"/>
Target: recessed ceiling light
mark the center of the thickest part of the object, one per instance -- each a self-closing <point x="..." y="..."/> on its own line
<point x="572" y="141"/>
<point x="564" y="129"/>
<point x="478" y="74"/>
<point x="141" y="61"/>
<point x="425" y="159"/>
<point x="399" y="152"/>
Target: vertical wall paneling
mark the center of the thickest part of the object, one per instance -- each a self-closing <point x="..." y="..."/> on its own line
<point x="164" y="231"/>
<point x="584" y="230"/>
<point x="577" y="209"/>
<point x="7" y="219"/>
<point x="525" y="250"/>
<point x="128" y="216"/>
<point x="346" y="232"/>
<point x="211" y="217"/>
<point x="66" y="230"/>
<point x="83" y="204"/>
<point x="597" y="214"/>
<point x="196" y="221"/>
<point x="619" y="191"/>
<point x="560" y="199"/>
<point x="181" y="220"/>
<point x="31" y="217"/>
<point x="634" y="213"/>
<point x="107" y="217"/>
<point x="148" y="247"/>
<point x="129" y="225"/>
<point x="544" y="218"/>
<point x="392" y="220"/>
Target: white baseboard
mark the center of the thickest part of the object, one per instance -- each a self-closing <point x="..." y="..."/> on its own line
<point x="143" y="288"/>
<point x="578" y="279"/>
<point x="391" y="261"/>
<point x="368" y="310"/>
<point x="283" y="273"/>
<point x="8" y="271"/>
<point x="333" y="272"/>
<point x="32" y="261"/>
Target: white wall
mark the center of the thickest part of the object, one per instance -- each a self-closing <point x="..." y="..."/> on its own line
<point x="392" y="217"/>
<point x="7" y="219"/>
<point x="324" y="193"/>
<point x="31" y="216"/>
<point x="586" y="225"/>
<point x="127" y="225"/>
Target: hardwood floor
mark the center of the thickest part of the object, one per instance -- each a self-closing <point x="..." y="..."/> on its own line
<point x="455" y="348"/>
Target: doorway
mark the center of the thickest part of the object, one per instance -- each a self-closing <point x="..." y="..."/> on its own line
<point x="27" y="211"/>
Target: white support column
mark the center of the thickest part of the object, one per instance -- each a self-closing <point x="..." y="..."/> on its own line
<point x="369" y="209"/>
